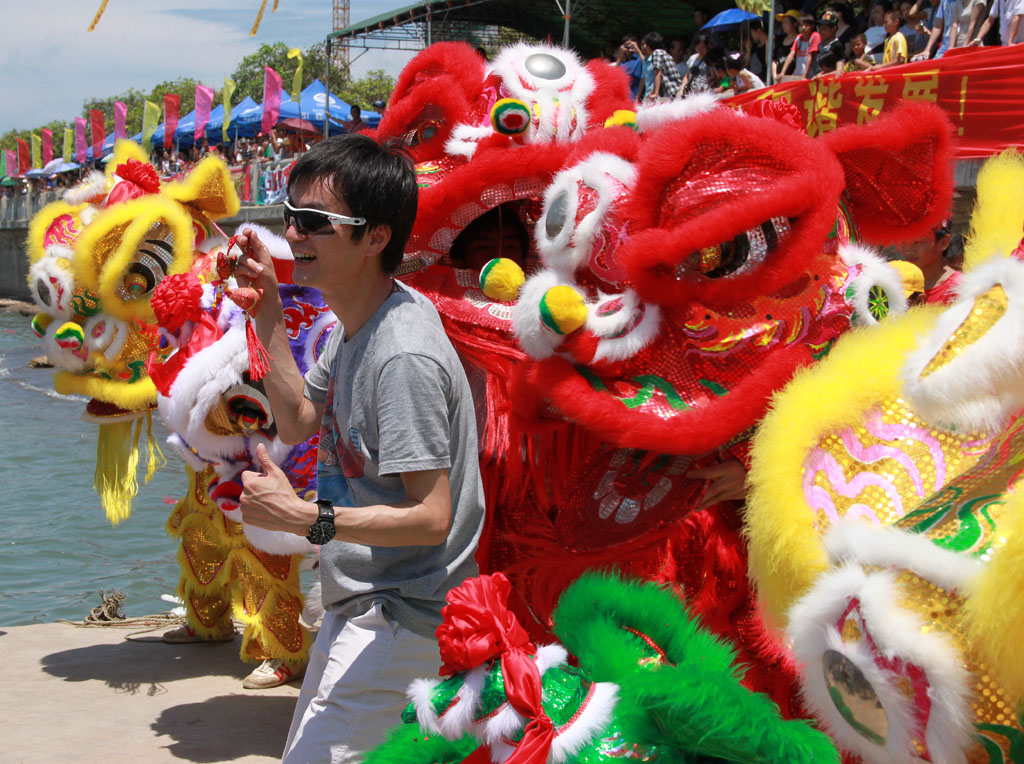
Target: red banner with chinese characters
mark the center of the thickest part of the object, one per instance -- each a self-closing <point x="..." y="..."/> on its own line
<point x="981" y="89"/>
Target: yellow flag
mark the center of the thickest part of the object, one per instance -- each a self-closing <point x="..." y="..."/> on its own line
<point x="297" y="79"/>
<point x="37" y="151"/>
<point x="229" y="89"/>
<point x="69" y="144"/>
<point x="150" y="119"/>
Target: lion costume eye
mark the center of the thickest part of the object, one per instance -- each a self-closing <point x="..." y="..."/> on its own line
<point x="152" y="261"/>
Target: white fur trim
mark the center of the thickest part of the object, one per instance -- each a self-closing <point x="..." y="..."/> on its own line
<point x="616" y="348"/>
<point x="277" y="245"/>
<point x="181" y="448"/>
<point x="570" y="739"/>
<point x="458" y="720"/>
<point x="984" y="384"/>
<point x="420" y="693"/>
<point x="94" y="184"/>
<point x="536" y="339"/>
<point x="277" y="542"/>
<point x="607" y="174"/>
<point x="106" y="335"/>
<point x="874" y="271"/>
<point x="854" y="540"/>
<point x="649" y="118"/>
<point x="464" y="138"/>
<point x="896" y="633"/>
<point x="60" y="356"/>
<point x="561" y="102"/>
<point x="51" y="266"/>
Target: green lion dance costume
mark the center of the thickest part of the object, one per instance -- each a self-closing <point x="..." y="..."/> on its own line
<point x="648" y="684"/>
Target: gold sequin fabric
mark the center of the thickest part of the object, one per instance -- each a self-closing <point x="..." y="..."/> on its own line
<point x="223" y="575"/>
<point x="988" y="308"/>
<point x="895" y="469"/>
<point x="995" y="716"/>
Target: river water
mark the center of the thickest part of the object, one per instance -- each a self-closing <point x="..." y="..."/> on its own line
<point x="57" y="549"/>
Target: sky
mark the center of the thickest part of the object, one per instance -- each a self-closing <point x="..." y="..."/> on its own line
<point x="50" y="64"/>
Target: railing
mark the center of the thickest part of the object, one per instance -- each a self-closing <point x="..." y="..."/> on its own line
<point x="257" y="183"/>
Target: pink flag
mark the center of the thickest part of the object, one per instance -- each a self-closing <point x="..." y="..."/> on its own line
<point x="120" y="118"/>
<point x="172" y="107"/>
<point x="10" y="162"/>
<point x="81" y="147"/>
<point x="47" y="146"/>
<point x="271" y="99"/>
<point x="99" y="132"/>
<point x="204" y="99"/>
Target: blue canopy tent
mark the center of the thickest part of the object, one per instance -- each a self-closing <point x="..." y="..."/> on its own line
<point x="312" y="107"/>
<point x="216" y="123"/>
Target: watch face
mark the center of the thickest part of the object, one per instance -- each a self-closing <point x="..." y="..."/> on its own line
<point x="320" y="532"/>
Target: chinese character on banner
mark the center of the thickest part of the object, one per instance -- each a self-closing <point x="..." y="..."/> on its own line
<point x="871" y="91"/>
<point x="921" y="86"/>
<point x="822" y="107"/>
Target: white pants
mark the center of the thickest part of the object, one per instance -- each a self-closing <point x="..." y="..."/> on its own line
<point x="354" y="689"/>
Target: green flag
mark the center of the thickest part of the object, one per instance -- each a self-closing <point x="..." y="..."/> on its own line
<point x="37" y="151"/>
<point x="229" y="89"/>
<point x="297" y="79"/>
<point x="150" y="119"/>
<point x="69" y="144"/>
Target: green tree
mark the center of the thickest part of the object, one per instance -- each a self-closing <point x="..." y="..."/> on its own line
<point x="375" y="86"/>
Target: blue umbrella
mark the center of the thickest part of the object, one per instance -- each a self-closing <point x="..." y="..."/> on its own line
<point x="728" y="19"/>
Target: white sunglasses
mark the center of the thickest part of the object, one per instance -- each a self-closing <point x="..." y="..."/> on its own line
<point x="311" y="222"/>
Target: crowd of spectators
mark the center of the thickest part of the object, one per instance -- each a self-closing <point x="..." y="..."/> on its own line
<point x="813" y="38"/>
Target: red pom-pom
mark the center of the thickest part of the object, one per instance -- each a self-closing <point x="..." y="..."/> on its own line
<point x="478" y="626"/>
<point x="141" y="174"/>
<point x="177" y="300"/>
<point x="780" y="111"/>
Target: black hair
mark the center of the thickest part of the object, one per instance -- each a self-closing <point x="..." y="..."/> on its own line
<point x="756" y="24"/>
<point x="733" y="62"/>
<point x="356" y="107"/>
<point x="715" y="56"/>
<point x="827" y="61"/>
<point x="654" y="40"/>
<point x="629" y="37"/>
<point x="376" y="181"/>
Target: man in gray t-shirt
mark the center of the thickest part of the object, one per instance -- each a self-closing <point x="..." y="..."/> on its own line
<point x="400" y="505"/>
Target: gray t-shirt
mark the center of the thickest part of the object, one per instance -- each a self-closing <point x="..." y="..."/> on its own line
<point x="396" y="400"/>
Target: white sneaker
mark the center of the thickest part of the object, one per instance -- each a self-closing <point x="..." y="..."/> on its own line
<point x="272" y="673"/>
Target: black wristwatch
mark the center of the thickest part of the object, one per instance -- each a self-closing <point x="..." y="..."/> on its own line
<point x="322" y="530"/>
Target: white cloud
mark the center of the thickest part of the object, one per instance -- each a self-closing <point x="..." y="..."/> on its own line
<point x="50" y="64"/>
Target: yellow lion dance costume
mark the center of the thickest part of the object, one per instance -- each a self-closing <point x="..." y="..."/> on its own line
<point x="886" y="517"/>
<point x="96" y="258"/>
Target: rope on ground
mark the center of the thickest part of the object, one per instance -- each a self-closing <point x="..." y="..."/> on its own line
<point x="108" y="613"/>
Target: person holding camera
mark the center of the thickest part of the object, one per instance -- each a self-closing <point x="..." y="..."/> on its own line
<point x="630" y="60"/>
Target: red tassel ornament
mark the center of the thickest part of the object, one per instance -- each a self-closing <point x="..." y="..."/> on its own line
<point x="248" y="299"/>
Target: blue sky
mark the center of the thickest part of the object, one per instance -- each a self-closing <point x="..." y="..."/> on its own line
<point x="49" y="64"/>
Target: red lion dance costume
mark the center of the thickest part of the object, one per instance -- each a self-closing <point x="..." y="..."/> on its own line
<point x="686" y="262"/>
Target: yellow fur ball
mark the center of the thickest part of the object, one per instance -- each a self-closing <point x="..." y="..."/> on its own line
<point x="563" y="310"/>
<point x="501" y="279"/>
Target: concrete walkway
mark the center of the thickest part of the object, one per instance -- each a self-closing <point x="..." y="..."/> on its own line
<point x="91" y="695"/>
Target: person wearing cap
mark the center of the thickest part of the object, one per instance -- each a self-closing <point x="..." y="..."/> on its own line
<point x="789" y="21"/>
<point x="830" y="47"/>
<point x="805" y="49"/>
<point x="379" y="106"/>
